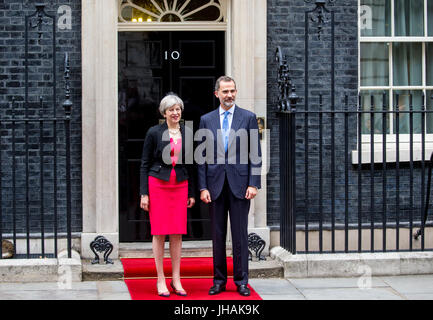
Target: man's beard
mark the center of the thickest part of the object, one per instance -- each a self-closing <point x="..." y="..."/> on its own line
<point x="229" y="104"/>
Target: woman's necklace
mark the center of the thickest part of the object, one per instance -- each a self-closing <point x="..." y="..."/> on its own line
<point x="174" y="133"/>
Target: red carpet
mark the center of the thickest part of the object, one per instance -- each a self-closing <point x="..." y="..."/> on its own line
<point x="196" y="273"/>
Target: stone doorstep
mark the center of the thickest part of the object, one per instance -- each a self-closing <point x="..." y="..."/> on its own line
<point x="102" y="271"/>
<point x="62" y="270"/>
<point x="353" y="264"/>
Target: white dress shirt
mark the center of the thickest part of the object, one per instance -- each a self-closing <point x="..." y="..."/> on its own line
<point x="230" y="116"/>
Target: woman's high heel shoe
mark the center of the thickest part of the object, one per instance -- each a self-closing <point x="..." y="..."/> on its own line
<point x="181" y="293"/>
<point x="164" y="294"/>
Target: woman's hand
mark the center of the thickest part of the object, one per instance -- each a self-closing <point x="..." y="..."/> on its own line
<point x="144" y="202"/>
<point x="191" y="202"/>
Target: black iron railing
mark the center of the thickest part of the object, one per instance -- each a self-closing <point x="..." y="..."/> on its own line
<point x="352" y="185"/>
<point x="342" y="175"/>
<point x="35" y="188"/>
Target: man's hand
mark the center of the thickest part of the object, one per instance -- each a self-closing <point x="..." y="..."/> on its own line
<point x="205" y="196"/>
<point x="191" y="202"/>
<point x="144" y="202"/>
<point x="251" y="193"/>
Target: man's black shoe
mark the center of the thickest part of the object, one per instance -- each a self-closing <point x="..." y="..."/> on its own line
<point x="244" y="290"/>
<point x="217" y="288"/>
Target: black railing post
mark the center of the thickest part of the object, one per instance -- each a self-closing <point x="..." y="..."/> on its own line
<point x="384" y="189"/>
<point x="283" y="177"/>
<point x="41" y="172"/>
<point x="397" y="171"/>
<point x="346" y="173"/>
<point x="333" y="168"/>
<point x="306" y="128"/>
<point x="420" y="232"/>
<point x="411" y="166"/>
<point x="423" y="117"/>
<point x="293" y="99"/>
<point x="27" y="190"/>
<point x="359" y="119"/>
<point x="14" y="199"/>
<point x="67" y="105"/>
<point x="287" y="130"/>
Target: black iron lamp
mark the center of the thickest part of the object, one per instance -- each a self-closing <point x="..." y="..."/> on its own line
<point x="293" y="97"/>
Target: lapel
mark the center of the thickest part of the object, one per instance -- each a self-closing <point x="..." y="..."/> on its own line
<point x="164" y="137"/>
<point x="237" y="118"/>
<point x="216" y="124"/>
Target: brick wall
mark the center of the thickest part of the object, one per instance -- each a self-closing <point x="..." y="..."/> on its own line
<point x="12" y="86"/>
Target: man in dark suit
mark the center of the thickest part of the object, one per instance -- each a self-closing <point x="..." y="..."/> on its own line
<point x="228" y="180"/>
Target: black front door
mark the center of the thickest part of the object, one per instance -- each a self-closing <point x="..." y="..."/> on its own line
<point x="152" y="64"/>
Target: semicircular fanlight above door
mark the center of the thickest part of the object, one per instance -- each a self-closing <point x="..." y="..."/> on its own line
<point x="147" y="11"/>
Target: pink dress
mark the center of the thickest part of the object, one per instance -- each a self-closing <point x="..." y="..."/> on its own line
<point x="168" y="200"/>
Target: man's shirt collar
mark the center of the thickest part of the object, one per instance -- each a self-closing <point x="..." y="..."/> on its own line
<point x="231" y="110"/>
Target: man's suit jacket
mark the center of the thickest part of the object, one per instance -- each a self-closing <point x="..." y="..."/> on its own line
<point x="241" y="163"/>
<point x="155" y="159"/>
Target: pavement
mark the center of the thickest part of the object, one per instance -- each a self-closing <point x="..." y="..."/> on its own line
<point x="411" y="287"/>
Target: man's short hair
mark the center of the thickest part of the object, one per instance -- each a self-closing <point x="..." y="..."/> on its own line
<point x="225" y="79"/>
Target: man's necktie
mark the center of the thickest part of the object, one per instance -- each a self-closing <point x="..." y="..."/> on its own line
<point x="226" y="130"/>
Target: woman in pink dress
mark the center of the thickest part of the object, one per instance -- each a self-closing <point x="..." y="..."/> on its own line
<point x="167" y="188"/>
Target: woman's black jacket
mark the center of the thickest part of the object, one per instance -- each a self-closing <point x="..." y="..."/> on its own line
<point x="156" y="162"/>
